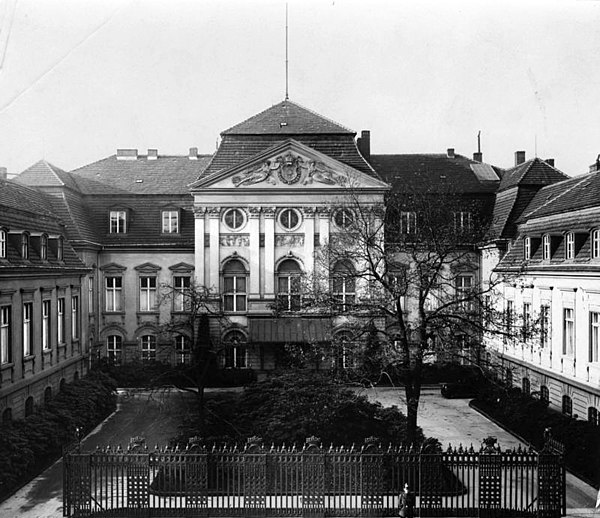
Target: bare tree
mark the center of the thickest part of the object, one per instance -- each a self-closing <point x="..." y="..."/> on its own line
<point x="411" y="271"/>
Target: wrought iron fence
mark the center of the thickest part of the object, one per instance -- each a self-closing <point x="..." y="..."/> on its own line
<point x="311" y="481"/>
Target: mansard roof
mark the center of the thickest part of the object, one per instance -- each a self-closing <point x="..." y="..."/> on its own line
<point x="533" y="172"/>
<point x="418" y="172"/>
<point x="44" y="174"/>
<point x="285" y="119"/>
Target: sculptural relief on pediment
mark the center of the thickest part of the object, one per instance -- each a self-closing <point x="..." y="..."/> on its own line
<point x="289" y="168"/>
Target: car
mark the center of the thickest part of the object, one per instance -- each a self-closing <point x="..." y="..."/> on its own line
<point x="462" y="388"/>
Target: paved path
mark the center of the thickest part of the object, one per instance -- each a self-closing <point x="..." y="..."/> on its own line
<point x="454" y="421"/>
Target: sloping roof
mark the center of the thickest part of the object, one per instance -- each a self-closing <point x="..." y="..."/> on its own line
<point x="21" y="201"/>
<point x="419" y="172"/>
<point x="164" y="175"/>
<point x="533" y="172"/>
<point x="44" y="174"/>
<point x="580" y="192"/>
<point x="287" y="118"/>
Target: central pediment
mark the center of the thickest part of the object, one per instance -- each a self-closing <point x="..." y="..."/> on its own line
<point x="289" y="164"/>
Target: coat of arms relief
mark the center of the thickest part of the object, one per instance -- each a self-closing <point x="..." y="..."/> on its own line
<point x="289" y="169"/>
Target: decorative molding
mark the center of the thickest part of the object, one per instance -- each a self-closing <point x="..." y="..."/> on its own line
<point x="214" y="212"/>
<point x="309" y="212"/>
<point x="289" y="239"/>
<point x="113" y="268"/>
<point x="234" y="240"/>
<point x="321" y="173"/>
<point x="147" y="268"/>
<point x="199" y="212"/>
<point x="254" y="212"/>
<point x="324" y="212"/>
<point x="182" y="267"/>
<point x="269" y="212"/>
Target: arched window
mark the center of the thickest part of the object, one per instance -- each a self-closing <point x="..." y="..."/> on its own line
<point x="343" y="286"/>
<point x="526" y="386"/>
<point x="29" y="406"/>
<point x="288" y="285"/>
<point x="183" y="349"/>
<point x="234" y="286"/>
<point x="44" y="247"/>
<point x="114" y="349"/>
<point x="345" y="349"/>
<point x="567" y="405"/>
<point x="148" y="346"/>
<point x="544" y="394"/>
<point x="593" y="416"/>
<point x="47" y="395"/>
<point x="2" y="244"/>
<point x="234" y="354"/>
<point x="24" y="245"/>
<point x="7" y="416"/>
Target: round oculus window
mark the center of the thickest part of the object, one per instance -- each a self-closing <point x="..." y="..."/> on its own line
<point x="234" y="218"/>
<point x="289" y="219"/>
<point x="343" y="218"/>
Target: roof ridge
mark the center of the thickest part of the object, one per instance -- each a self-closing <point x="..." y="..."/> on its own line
<point x="321" y="116"/>
<point x="561" y="193"/>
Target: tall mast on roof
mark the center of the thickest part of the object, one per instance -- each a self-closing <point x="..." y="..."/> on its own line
<point x="286" y="52"/>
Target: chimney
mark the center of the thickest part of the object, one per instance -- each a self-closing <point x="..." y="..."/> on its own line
<point x="596" y="166"/>
<point x="364" y="144"/>
<point x="3" y="174"/>
<point x="478" y="156"/>
<point x="519" y="157"/>
<point x="193" y="153"/>
<point x="152" y="154"/>
<point x="127" y="154"/>
<point x="450" y="152"/>
<point x="550" y="161"/>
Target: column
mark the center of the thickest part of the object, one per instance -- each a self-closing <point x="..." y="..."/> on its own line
<point x="269" y="215"/>
<point x="322" y="275"/>
<point x="324" y="213"/>
<point x="199" y="260"/>
<point x="214" y="215"/>
<point x="254" y="230"/>
<point x="309" y="239"/>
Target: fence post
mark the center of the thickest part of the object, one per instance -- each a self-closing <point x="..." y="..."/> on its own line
<point x="138" y="475"/>
<point x="196" y="475"/>
<point x="490" y="478"/>
<point x="77" y="490"/>
<point x="551" y="479"/>
<point x="255" y="477"/>
<point x="371" y="477"/>
<point x="313" y="478"/>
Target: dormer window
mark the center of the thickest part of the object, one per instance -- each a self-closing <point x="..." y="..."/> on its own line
<point x="570" y="245"/>
<point x="546" y="247"/>
<point x="44" y="247"/>
<point x="462" y="221"/>
<point x="596" y="244"/>
<point x="2" y="244"/>
<point x="408" y="222"/>
<point x="60" y="248"/>
<point x="118" y="222"/>
<point x="527" y="248"/>
<point x="170" y="221"/>
<point x="24" y="245"/>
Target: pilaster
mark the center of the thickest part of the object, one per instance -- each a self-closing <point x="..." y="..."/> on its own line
<point x="214" y="215"/>
<point x="199" y="245"/>
<point x="269" y="223"/>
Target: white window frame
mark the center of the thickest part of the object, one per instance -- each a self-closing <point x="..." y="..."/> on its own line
<point x="545" y="334"/>
<point x="239" y="218"/>
<point x="27" y="328"/>
<point x="568" y="348"/>
<point x="343" y="218"/>
<point x="75" y="317"/>
<point x="117" y="222"/>
<point x="343" y="289"/>
<point x="183" y="350"/>
<point x="526" y="320"/>
<point x="114" y="348"/>
<point x="2" y="244"/>
<point x="43" y="247"/>
<point x="288" y="214"/>
<point x="60" y="248"/>
<point x="546" y="247"/>
<point x="170" y="221"/>
<point x="596" y="244"/>
<point x="148" y="290"/>
<point x="235" y="297"/>
<point x="594" y="348"/>
<point x="463" y="221"/>
<point x="60" y="325"/>
<point x="113" y="293"/>
<point x="5" y="335"/>
<point x="181" y="285"/>
<point x="46" y="311"/>
<point x="463" y="290"/>
<point x="408" y="222"/>
<point x="24" y="245"/>
<point x="527" y="248"/>
<point x="235" y="353"/>
<point x="148" y="347"/>
<point x="570" y="245"/>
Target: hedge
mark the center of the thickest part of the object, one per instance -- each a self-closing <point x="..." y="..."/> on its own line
<point x="529" y="417"/>
<point x="29" y="445"/>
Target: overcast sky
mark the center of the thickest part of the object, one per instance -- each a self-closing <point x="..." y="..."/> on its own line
<point x="80" y="79"/>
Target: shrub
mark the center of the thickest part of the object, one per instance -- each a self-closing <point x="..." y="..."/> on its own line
<point x="529" y="417"/>
<point x="27" y="446"/>
<point x="290" y="407"/>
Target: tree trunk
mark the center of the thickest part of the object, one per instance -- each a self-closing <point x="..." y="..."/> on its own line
<point x="412" y="394"/>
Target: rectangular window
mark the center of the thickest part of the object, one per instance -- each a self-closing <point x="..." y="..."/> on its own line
<point x="508" y="319"/>
<point x="148" y="348"/>
<point x="234" y="357"/>
<point x="546" y="248"/>
<point x="464" y="292"/>
<point x="344" y="292"/>
<point x="570" y="246"/>
<point x="170" y="221"/>
<point x="114" y="349"/>
<point x="24" y="246"/>
<point x="181" y="286"/>
<point x="61" y="321"/>
<point x="568" y="331"/>
<point x="288" y="292"/>
<point x="526" y="320"/>
<point x="90" y="294"/>
<point x="5" y="335"/>
<point x="596" y="244"/>
<point x="408" y="222"/>
<point x="2" y="244"/>
<point x="75" y="317"/>
<point x="234" y="298"/>
<point x="182" y="348"/>
<point x="27" y="328"/>
<point x="46" y="343"/>
<point x="594" y="336"/>
<point x="527" y="248"/>
<point x="114" y="288"/>
<point x="118" y="222"/>
<point x="147" y="293"/>
<point x="462" y="221"/>
<point x="544" y="326"/>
